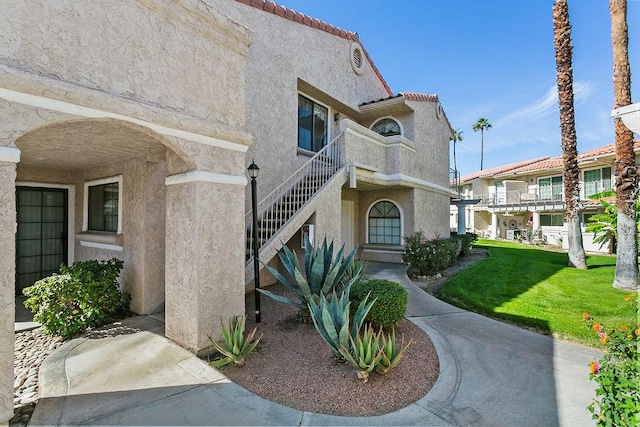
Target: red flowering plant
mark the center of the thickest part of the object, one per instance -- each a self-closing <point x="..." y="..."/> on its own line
<point x="617" y="401"/>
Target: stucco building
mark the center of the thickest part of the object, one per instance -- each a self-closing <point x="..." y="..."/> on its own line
<point x="126" y="129"/>
<point x="531" y="194"/>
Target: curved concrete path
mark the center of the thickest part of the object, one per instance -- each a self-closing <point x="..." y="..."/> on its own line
<point x="491" y="373"/>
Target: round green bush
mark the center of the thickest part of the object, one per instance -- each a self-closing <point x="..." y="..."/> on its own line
<point x="390" y="305"/>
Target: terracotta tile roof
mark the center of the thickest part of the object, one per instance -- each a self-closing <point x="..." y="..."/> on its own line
<point x="606" y="150"/>
<point x="276" y="9"/>
<point x="500" y="169"/>
<point x="541" y="164"/>
<point x="548" y="163"/>
<point x="413" y="96"/>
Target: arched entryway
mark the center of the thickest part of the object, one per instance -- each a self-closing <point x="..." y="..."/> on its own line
<point x="94" y="189"/>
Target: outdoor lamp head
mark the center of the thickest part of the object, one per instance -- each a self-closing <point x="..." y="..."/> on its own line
<point x="253" y="170"/>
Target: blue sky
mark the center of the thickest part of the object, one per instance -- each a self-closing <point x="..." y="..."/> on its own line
<point x="493" y="59"/>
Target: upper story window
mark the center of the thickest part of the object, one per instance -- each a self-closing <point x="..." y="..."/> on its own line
<point x="387" y="127"/>
<point x="312" y="124"/>
<point x="550" y="188"/>
<point x="597" y="181"/>
<point x="384" y="223"/>
<point x="103" y="210"/>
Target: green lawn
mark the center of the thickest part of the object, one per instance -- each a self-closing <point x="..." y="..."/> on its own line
<point x="534" y="288"/>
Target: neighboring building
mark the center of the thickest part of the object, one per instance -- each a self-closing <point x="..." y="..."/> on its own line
<point x="126" y="129"/>
<point x="531" y="194"/>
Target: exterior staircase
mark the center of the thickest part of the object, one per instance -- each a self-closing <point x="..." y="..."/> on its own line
<point x="285" y="209"/>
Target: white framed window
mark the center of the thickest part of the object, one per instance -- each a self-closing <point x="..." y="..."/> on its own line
<point x="551" y="219"/>
<point x="103" y="205"/>
<point x="550" y="188"/>
<point x="596" y="181"/>
<point x="384" y="223"/>
<point x="387" y="126"/>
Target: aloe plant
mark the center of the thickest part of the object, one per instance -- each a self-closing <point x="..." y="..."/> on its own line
<point x="331" y="319"/>
<point x="235" y="345"/>
<point x="390" y="355"/>
<point x="364" y="353"/>
<point x="323" y="273"/>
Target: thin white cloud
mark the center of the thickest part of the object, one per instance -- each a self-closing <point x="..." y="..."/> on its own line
<point x="545" y="105"/>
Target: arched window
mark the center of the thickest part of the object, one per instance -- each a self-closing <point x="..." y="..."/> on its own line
<point x="384" y="223"/>
<point x="387" y="127"/>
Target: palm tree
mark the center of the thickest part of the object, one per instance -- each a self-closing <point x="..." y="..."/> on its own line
<point x="626" y="275"/>
<point x="563" y="49"/>
<point x="481" y="125"/>
<point x="457" y="136"/>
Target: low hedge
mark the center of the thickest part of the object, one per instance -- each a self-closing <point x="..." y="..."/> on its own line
<point x="390" y="305"/>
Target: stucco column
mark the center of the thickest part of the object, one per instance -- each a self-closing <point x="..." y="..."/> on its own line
<point x="494" y="225"/>
<point x="461" y="219"/>
<point x="536" y="220"/>
<point x="8" y="158"/>
<point x="205" y="255"/>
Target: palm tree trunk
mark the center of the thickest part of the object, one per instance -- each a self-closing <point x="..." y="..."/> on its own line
<point x="481" y="147"/>
<point x="626" y="275"/>
<point x="455" y="166"/>
<point x="563" y="49"/>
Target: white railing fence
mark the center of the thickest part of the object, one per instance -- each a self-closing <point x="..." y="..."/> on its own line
<point x="277" y="208"/>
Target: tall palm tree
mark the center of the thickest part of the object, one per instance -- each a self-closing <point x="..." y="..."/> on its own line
<point x="563" y="49"/>
<point x="481" y="125"/>
<point x="457" y="136"/>
<point x="626" y="275"/>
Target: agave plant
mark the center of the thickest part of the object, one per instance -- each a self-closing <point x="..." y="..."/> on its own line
<point x="331" y="319"/>
<point x="364" y="353"/>
<point x="355" y="270"/>
<point x="323" y="273"/>
<point x="235" y="345"/>
<point x="390" y="355"/>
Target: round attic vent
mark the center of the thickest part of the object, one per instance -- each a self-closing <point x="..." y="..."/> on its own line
<point x="438" y="110"/>
<point x="357" y="58"/>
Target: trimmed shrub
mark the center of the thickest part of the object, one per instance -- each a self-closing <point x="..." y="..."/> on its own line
<point x="466" y="242"/>
<point x="85" y="295"/>
<point x="430" y="256"/>
<point x="390" y="301"/>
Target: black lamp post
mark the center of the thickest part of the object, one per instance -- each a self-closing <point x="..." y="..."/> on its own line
<point x="253" y="170"/>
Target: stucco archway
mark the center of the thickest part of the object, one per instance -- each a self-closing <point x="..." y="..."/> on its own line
<point x="69" y="156"/>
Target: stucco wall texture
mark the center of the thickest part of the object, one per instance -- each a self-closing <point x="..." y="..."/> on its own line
<point x="283" y="52"/>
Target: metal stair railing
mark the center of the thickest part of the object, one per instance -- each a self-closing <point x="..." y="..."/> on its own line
<point x="281" y="205"/>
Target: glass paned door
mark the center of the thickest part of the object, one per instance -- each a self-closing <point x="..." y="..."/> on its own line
<point x="41" y="239"/>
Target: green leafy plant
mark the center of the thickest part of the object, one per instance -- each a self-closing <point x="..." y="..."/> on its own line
<point x="617" y="374"/>
<point x="235" y="345"/>
<point x="390" y="300"/>
<point x="331" y="319"/>
<point x="429" y="256"/>
<point x="356" y="270"/>
<point x="364" y="352"/>
<point x="390" y="355"/>
<point x="605" y="225"/>
<point x="85" y="295"/>
<point x="322" y="275"/>
<point x="466" y="242"/>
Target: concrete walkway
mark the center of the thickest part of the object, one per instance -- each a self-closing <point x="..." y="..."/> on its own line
<point x="491" y="374"/>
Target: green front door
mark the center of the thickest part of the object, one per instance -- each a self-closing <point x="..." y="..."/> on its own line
<point x="41" y="239"/>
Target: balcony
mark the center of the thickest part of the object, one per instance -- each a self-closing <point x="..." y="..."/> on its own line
<point x="521" y="200"/>
<point x="392" y="161"/>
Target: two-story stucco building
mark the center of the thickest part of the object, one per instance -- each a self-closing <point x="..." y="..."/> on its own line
<point x="531" y="193"/>
<point x="126" y="129"/>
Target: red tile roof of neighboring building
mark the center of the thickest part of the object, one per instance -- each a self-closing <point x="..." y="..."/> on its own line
<point x="500" y="169"/>
<point x="541" y="164"/>
<point x="549" y="163"/>
<point x="276" y="9"/>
